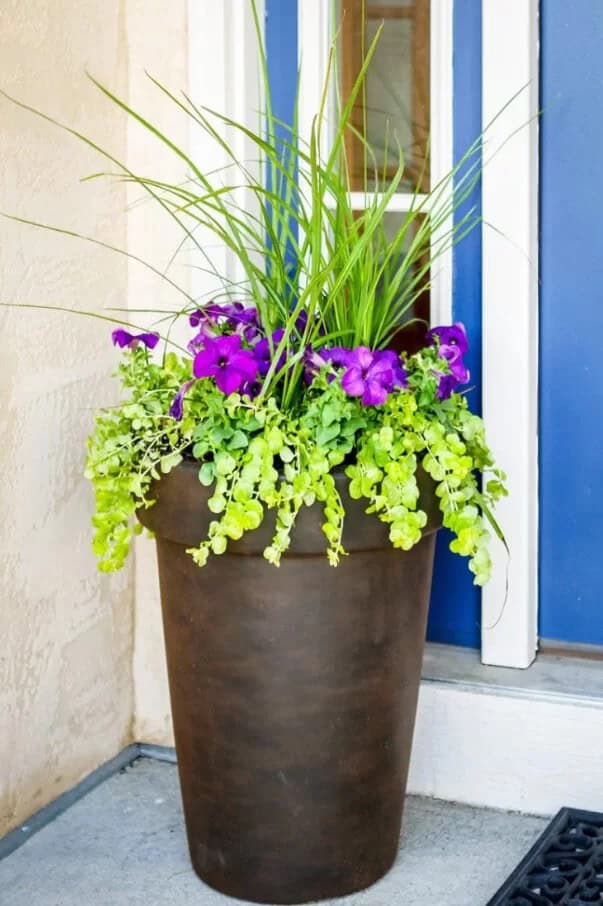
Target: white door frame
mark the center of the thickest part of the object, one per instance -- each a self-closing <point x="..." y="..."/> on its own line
<point x="510" y="277"/>
<point x="510" y="318"/>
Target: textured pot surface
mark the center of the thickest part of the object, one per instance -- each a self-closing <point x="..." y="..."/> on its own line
<point x="294" y="693"/>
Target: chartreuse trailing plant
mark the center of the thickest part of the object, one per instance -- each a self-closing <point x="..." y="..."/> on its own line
<point x="378" y="416"/>
<point x="290" y="375"/>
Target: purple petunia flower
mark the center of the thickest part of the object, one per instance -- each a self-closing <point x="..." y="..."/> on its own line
<point x="124" y="338"/>
<point x="261" y="351"/>
<point x="251" y="389"/>
<point x="458" y="374"/>
<point x="399" y="375"/>
<point x="453" y="335"/>
<point x="210" y="312"/>
<point x="314" y="360"/>
<point x="233" y="315"/>
<point x="447" y="383"/>
<point x="454" y="357"/>
<point x="199" y="339"/>
<point x="338" y="356"/>
<point x="452" y="344"/>
<point x="245" y="320"/>
<point x="223" y="359"/>
<point x="301" y="321"/>
<point x="372" y="375"/>
<point x="197" y="317"/>
<point x="177" y="407"/>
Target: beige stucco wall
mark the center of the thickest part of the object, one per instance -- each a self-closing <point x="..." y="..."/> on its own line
<point x="154" y="237"/>
<point x="67" y="634"/>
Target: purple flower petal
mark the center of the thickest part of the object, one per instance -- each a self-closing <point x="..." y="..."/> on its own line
<point x="205" y="363"/>
<point x="177" y="407"/>
<point x="375" y="394"/>
<point x="453" y="335"/>
<point x="454" y="357"/>
<point x="457" y="374"/>
<point x="353" y="382"/>
<point x="362" y="357"/>
<point x="447" y="383"/>
<point x="261" y="351"/>
<point x="313" y="362"/>
<point x="301" y="321"/>
<point x="196" y="317"/>
<point x="223" y="359"/>
<point x="124" y="338"/>
<point x="338" y="356"/>
<point x="214" y="355"/>
<point x="199" y="339"/>
<point x="244" y="362"/>
<point x="233" y="316"/>
<point x="228" y="380"/>
<point x="399" y="375"/>
<point x="245" y="314"/>
<point x="121" y="337"/>
<point x="380" y="369"/>
<point x="372" y="375"/>
<point x="251" y="389"/>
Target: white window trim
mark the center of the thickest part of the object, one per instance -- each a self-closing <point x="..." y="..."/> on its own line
<point x="224" y="75"/>
<point x="510" y="319"/>
<point x="314" y="42"/>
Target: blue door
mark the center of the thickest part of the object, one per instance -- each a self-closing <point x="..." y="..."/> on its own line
<point x="455" y="608"/>
<point x="571" y="305"/>
<point x="571" y="267"/>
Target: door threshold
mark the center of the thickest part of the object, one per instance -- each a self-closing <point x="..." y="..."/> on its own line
<point x="522" y="740"/>
<point x="554" y="676"/>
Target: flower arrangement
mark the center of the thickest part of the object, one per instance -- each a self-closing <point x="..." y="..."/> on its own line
<point x="292" y="374"/>
<point x="378" y="415"/>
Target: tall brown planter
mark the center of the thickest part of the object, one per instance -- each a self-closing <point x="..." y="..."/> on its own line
<point x="294" y="693"/>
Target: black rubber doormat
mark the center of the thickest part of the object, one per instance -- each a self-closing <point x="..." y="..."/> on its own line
<point x="563" y="868"/>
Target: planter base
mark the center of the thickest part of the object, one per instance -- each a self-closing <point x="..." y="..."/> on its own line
<point x="294" y="693"/>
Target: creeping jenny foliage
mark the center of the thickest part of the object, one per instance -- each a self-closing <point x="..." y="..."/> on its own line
<point x="257" y="456"/>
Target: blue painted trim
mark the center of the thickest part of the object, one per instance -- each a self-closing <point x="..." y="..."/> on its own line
<point x="455" y="611"/>
<point x="571" y="321"/>
<point x="282" y="57"/>
<point x="281" y="51"/>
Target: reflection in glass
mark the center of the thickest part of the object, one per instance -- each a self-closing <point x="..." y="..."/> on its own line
<point x="393" y="108"/>
<point x="412" y="336"/>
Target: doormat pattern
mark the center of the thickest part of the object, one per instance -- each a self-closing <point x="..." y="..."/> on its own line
<point x="563" y="868"/>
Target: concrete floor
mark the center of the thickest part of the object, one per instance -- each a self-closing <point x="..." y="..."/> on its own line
<point x="123" y="845"/>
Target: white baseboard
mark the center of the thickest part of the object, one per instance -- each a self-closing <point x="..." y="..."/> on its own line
<point x="524" y="749"/>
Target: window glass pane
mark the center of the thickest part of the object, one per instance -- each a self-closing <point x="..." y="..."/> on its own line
<point x="394" y="107"/>
<point x="412" y="337"/>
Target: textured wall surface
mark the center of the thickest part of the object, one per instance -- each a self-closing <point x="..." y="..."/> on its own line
<point x="67" y="696"/>
<point x="161" y="50"/>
